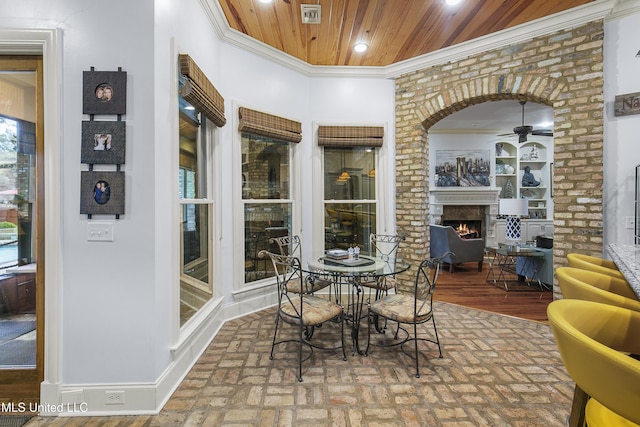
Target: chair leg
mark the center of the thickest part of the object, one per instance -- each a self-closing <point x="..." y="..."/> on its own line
<point x="275" y="334"/>
<point x="435" y="331"/>
<point x="480" y="265"/>
<point x="451" y="268"/>
<point x="369" y="322"/>
<point x="415" y="344"/>
<point x="344" y="351"/>
<point x="300" y="351"/>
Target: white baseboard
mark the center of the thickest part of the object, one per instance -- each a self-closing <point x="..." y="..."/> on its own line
<point x="148" y="399"/>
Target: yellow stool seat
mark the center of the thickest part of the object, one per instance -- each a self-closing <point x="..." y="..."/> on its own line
<point x="599" y="265"/>
<point x="594" y="341"/>
<point x="587" y="285"/>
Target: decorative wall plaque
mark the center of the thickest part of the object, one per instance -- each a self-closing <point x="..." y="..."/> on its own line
<point x="626" y="105"/>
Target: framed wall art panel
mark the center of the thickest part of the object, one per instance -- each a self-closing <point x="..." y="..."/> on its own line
<point x="462" y="168"/>
<point x="104" y="92"/>
<point x="102" y="192"/>
<point x="103" y="142"/>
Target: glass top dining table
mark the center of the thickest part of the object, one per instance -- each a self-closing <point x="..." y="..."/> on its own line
<point x="351" y="277"/>
<point x="364" y="265"/>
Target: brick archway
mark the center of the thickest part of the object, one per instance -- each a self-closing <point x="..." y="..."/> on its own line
<point x="558" y="76"/>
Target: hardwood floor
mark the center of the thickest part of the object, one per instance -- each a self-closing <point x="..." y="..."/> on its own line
<point x="468" y="287"/>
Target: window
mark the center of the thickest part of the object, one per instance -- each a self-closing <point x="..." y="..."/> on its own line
<point x="201" y="110"/>
<point x="266" y="194"/>
<point x="266" y="185"/>
<point x="349" y="196"/>
<point x="196" y="211"/>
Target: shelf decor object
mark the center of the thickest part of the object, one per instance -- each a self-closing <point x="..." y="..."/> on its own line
<point x="513" y="209"/>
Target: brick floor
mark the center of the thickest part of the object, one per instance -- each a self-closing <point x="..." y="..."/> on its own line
<point x="496" y="371"/>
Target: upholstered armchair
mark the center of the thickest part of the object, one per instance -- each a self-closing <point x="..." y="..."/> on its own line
<point x="445" y="239"/>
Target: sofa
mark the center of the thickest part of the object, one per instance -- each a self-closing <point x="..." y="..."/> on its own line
<point x="443" y="239"/>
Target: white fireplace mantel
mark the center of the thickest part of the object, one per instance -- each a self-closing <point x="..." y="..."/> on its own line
<point x="464" y="196"/>
<point x="468" y="196"/>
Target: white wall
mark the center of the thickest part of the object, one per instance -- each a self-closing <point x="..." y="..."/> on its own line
<point x="622" y="143"/>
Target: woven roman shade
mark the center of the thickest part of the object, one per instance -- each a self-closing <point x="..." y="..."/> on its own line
<point x="350" y="136"/>
<point x="200" y="92"/>
<point x="263" y="124"/>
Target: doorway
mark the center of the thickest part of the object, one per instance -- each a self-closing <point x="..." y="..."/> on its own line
<point x="21" y="229"/>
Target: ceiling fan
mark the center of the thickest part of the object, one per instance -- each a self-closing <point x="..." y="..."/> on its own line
<point x="524" y="130"/>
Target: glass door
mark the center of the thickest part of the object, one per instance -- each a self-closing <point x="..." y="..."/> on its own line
<point x="21" y="294"/>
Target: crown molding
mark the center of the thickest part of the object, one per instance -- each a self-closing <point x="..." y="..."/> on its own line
<point x="624" y="8"/>
<point x="598" y="9"/>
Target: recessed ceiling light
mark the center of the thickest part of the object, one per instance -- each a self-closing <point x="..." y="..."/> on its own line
<point x="360" y="47"/>
<point x="452" y="2"/>
<point x="265" y="1"/>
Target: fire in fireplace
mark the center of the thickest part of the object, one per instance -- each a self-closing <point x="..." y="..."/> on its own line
<point x="466" y="229"/>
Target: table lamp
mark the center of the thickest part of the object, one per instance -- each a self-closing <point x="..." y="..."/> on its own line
<point x="514" y="209"/>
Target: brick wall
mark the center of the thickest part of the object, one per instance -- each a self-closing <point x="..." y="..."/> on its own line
<point x="564" y="70"/>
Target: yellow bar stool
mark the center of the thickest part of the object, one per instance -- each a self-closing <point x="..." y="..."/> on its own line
<point x="595" y="341"/>
<point x="599" y="265"/>
<point x="587" y="285"/>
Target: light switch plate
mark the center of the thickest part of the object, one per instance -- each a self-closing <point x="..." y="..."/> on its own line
<point x="99" y="231"/>
<point x="630" y="223"/>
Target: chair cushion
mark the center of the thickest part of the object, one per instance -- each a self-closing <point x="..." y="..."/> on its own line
<point x="295" y="285"/>
<point x="316" y="310"/>
<point x="386" y="283"/>
<point x="399" y="307"/>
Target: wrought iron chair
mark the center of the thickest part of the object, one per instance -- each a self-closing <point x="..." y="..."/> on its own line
<point x="254" y="267"/>
<point x="384" y="246"/>
<point x="410" y="305"/>
<point x="291" y="245"/>
<point x="300" y="309"/>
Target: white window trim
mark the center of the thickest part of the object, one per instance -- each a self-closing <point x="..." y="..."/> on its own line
<point x="384" y="224"/>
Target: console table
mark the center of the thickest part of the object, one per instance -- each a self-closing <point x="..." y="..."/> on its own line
<point x="525" y="262"/>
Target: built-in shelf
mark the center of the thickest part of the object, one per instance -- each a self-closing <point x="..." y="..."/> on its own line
<point x="510" y="162"/>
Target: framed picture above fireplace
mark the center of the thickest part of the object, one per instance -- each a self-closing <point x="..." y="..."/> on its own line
<point x="462" y="168"/>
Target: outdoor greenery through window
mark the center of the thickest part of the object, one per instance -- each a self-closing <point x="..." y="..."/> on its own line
<point x="17" y="191"/>
<point x="349" y="196"/>
<point x="196" y="208"/>
<point x="266" y="194"/>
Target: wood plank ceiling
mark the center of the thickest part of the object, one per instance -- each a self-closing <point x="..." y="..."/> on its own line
<point x="395" y="30"/>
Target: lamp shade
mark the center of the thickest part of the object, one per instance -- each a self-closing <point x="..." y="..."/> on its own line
<point x="516" y="207"/>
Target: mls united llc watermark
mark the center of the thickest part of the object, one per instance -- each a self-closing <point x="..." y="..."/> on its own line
<point x="34" y="408"/>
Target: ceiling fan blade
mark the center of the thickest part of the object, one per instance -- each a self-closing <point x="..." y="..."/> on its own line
<point x="542" y="132"/>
